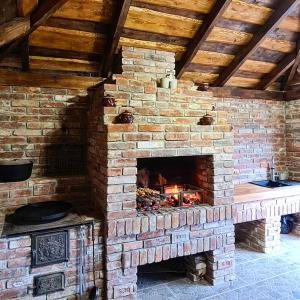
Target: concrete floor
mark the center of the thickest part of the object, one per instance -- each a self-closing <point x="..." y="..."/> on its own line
<point x="259" y="276"/>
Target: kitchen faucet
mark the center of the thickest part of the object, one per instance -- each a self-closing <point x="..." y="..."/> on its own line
<point x="272" y="169"/>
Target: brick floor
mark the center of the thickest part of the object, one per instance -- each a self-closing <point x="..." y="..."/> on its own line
<point x="259" y="277"/>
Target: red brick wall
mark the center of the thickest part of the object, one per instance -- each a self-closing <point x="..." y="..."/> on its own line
<point x="12" y="195"/>
<point x="293" y="138"/>
<point x="31" y="119"/>
<point x="259" y="134"/>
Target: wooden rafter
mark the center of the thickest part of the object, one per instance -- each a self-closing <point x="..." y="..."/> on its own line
<point x="46" y="80"/>
<point x="87" y="26"/>
<point x="25" y="7"/>
<point x="241" y="93"/>
<point x="279" y="13"/>
<point x="40" y="15"/>
<point x="115" y="36"/>
<point x="201" y="36"/>
<point x="12" y="30"/>
<point x="25" y="54"/>
<point x="280" y="69"/>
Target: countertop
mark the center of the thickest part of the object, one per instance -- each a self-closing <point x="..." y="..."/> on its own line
<point x="248" y="192"/>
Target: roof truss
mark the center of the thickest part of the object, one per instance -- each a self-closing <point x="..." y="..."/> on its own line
<point x="279" y="13"/>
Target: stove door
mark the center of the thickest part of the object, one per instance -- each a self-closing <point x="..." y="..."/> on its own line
<point x="49" y="248"/>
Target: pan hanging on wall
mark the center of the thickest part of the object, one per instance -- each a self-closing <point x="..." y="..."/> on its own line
<point x="15" y="170"/>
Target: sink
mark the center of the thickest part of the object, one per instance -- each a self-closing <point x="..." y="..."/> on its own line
<point x="269" y="183"/>
<point x="274" y="184"/>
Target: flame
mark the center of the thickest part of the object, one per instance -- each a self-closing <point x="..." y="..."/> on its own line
<point x="173" y="189"/>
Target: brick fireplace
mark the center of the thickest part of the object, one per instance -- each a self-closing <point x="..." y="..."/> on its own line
<point x="166" y="182"/>
<point x="165" y="129"/>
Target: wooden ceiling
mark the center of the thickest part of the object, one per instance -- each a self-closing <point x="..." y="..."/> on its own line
<point x="241" y="43"/>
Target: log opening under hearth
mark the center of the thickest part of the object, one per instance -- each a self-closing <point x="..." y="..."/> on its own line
<point x="189" y="266"/>
<point x="164" y="182"/>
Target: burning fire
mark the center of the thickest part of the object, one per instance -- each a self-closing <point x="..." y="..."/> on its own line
<point x="172" y="195"/>
<point x="173" y="189"/>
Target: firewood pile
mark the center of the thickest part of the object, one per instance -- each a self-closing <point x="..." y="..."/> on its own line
<point x="148" y="199"/>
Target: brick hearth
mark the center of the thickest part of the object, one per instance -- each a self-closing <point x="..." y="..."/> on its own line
<point x="165" y="125"/>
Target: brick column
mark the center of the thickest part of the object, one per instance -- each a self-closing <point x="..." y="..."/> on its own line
<point x="220" y="262"/>
<point x="296" y="227"/>
<point x="262" y="235"/>
<point x="220" y="265"/>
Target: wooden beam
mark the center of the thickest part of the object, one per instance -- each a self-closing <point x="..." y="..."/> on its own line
<point x="280" y="69"/>
<point x="187" y="13"/>
<point x="81" y="25"/>
<point x="36" y="51"/>
<point x="24" y="51"/>
<point x="47" y="80"/>
<point x="43" y="11"/>
<point x="25" y="7"/>
<point x="201" y="35"/>
<point x="277" y="16"/>
<point x="8" y="10"/>
<point x="12" y="30"/>
<point x="115" y="37"/>
<point x="240" y="93"/>
<point x="294" y="91"/>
